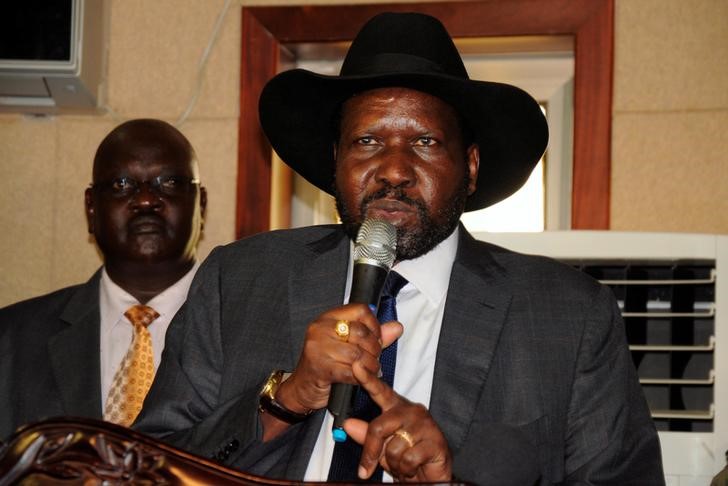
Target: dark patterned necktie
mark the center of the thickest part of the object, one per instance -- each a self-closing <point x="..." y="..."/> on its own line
<point x="345" y="462"/>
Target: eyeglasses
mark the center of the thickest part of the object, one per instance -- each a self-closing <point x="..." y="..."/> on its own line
<point x="162" y="185"/>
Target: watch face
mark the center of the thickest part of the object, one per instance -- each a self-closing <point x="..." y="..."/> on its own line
<point x="271" y="385"/>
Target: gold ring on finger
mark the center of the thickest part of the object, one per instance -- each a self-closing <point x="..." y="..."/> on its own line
<point x="406" y="436"/>
<point x="342" y="329"/>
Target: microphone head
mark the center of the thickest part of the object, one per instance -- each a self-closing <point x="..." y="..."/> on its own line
<point x="376" y="243"/>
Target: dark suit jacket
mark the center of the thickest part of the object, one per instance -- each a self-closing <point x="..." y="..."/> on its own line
<point x="49" y="357"/>
<point x="532" y="361"/>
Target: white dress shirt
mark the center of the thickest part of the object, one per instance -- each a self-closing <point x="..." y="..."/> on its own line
<point x="117" y="331"/>
<point x="420" y="308"/>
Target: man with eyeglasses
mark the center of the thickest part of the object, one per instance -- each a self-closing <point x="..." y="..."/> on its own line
<point x="91" y="350"/>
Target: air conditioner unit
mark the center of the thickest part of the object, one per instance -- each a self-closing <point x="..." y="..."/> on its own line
<point x="673" y="293"/>
<point x="50" y="56"/>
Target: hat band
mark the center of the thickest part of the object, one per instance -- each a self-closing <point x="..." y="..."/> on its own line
<point x="388" y="63"/>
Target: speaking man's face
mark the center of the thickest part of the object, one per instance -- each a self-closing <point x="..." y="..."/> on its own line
<point x="400" y="157"/>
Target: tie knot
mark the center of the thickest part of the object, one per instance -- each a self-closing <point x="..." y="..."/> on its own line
<point x="393" y="284"/>
<point x="141" y="315"/>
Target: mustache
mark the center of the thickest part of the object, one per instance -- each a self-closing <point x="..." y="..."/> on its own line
<point x="396" y="193"/>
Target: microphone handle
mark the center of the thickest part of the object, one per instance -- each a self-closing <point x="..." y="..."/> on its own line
<point x="366" y="288"/>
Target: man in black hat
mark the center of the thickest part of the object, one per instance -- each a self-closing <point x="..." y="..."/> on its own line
<point x="499" y="368"/>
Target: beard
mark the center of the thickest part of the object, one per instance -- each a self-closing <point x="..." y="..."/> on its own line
<point x="430" y="229"/>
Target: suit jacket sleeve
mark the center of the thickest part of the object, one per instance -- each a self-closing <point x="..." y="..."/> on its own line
<point x="184" y="406"/>
<point x="610" y="436"/>
<point x="534" y="371"/>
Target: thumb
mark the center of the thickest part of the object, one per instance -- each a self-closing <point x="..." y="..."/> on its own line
<point x="391" y="331"/>
<point x="356" y="429"/>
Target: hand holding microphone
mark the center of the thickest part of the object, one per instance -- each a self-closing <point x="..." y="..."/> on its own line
<point x="374" y="254"/>
<point x="323" y="373"/>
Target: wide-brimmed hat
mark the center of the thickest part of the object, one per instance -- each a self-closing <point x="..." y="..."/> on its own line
<point x="298" y="108"/>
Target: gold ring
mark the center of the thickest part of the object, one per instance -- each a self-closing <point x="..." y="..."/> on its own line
<point x="342" y="329"/>
<point x="406" y="436"/>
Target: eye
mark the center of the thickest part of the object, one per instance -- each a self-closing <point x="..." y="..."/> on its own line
<point x="123" y="184"/>
<point x="366" y="141"/>
<point x="425" y="141"/>
<point x="169" y="182"/>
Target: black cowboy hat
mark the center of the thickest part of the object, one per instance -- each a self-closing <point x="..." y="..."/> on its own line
<point x="298" y="108"/>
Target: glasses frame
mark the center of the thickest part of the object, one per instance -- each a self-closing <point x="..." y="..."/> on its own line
<point x="156" y="185"/>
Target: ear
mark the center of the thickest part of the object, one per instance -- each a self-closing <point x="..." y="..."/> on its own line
<point x="473" y="161"/>
<point x="203" y="206"/>
<point x="90" y="210"/>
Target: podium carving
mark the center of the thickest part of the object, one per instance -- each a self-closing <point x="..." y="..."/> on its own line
<point x="81" y="451"/>
<point x="91" y="452"/>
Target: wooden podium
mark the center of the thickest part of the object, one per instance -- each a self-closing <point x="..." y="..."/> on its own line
<point x="81" y="451"/>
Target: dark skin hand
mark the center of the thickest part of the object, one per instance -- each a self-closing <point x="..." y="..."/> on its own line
<point x="326" y="359"/>
<point x="429" y="457"/>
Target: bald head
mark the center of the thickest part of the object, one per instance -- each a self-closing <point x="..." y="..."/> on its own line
<point x="144" y="139"/>
<point x="145" y="207"/>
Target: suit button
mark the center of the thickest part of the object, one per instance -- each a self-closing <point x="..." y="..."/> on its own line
<point x="233" y="445"/>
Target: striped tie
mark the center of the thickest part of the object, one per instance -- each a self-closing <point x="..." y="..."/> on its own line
<point x="136" y="372"/>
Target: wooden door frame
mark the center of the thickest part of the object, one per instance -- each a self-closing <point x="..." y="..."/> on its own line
<point x="590" y="22"/>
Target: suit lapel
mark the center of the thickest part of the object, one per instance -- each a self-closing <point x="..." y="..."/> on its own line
<point x="317" y="284"/>
<point x="477" y="303"/>
<point x="475" y="311"/>
<point x="74" y="353"/>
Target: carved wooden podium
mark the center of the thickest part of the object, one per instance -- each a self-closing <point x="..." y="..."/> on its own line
<point x="78" y="451"/>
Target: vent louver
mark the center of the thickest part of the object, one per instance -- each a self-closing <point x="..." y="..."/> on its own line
<point x="669" y="314"/>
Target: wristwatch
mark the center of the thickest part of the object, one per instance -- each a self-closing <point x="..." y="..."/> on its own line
<point x="267" y="402"/>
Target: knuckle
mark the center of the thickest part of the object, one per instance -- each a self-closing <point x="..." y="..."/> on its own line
<point x="421" y="411"/>
<point x="376" y="429"/>
<point x="351" y="353"/>
<point x="363" y="332"/>
<point x="410" y="460"/>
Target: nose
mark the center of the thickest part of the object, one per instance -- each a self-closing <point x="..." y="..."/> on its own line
<point x="395" y="168"/>
<point x="146" y="197"/>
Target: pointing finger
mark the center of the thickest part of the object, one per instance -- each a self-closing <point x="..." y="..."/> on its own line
<point x="379" y="392"/>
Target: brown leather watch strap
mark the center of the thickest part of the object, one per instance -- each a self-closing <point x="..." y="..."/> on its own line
<point x="267" y="402"/>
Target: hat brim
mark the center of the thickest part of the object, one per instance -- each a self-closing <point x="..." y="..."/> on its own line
<point x="297" y="110"/>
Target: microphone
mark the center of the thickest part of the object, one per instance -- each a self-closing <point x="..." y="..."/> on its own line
<point x="374" y="253"/>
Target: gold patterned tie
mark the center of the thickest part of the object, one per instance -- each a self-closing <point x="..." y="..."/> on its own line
<point x="136" y="372"/>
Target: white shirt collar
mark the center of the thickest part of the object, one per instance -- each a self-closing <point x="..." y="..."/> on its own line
<point x="430" y="273"/>
<point x="118" y="300"/>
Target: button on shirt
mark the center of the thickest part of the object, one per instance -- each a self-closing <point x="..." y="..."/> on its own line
<point x="116" y="333"/>
<point x="420" y="308"/>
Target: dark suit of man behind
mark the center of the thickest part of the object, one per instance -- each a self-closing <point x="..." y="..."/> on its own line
<point x="147" y="229"/>
<point x="49" y="357"/>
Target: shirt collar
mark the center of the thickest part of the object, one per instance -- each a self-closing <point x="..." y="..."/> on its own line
<point x="430" y="273"/>
<point x="166" y="302"/>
